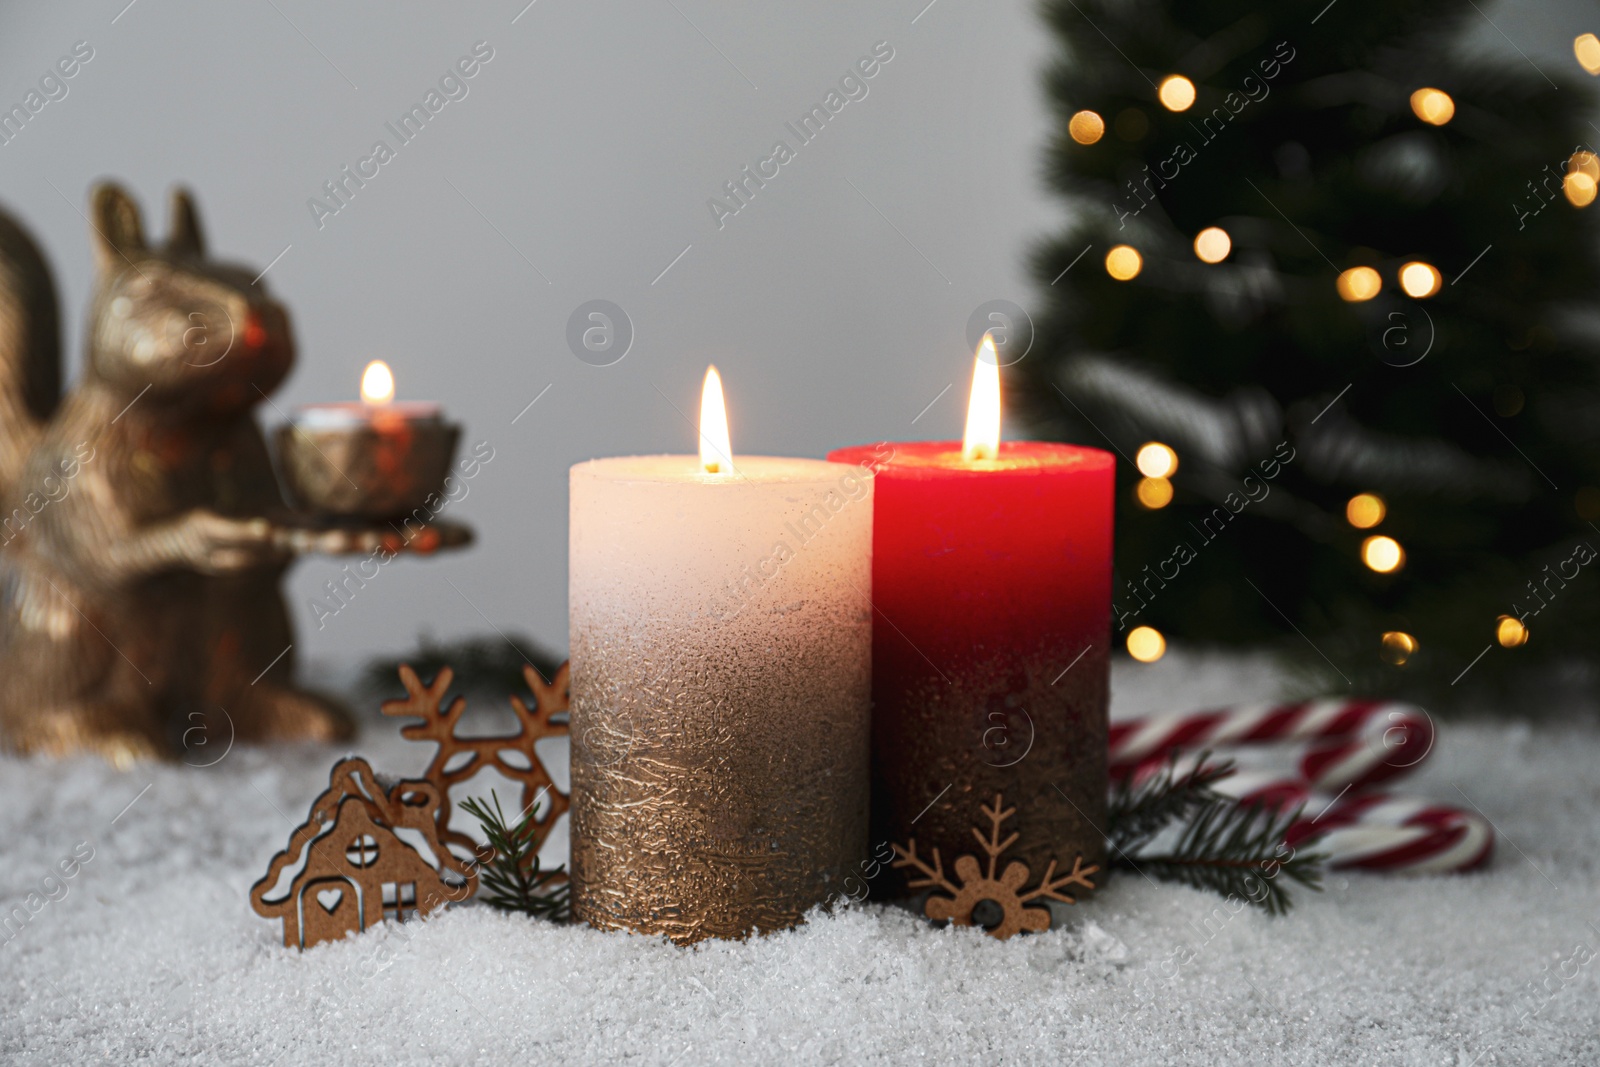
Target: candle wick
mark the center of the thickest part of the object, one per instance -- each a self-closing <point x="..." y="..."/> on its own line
<point x="978" y="452"/>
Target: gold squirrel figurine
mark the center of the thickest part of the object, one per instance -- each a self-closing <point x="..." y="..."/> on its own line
<point x="138" y="565"/>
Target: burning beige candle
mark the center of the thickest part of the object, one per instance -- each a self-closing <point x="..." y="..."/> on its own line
<point x="721" y="684"/>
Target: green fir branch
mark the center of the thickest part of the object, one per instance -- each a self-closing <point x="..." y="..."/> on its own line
<point x="489" y="664"/>
<point x="1238" y="850"/>
<point x="1135" y="814"/>
<point x="511" y="879"/>
<point x="1225" y="847"/>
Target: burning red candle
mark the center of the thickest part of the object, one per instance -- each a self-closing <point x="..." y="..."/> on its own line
<point x="991" y="584"/>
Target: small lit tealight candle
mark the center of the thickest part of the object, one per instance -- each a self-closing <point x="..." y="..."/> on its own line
<point x="377" y="403"/>
<point x="374" y="458"/>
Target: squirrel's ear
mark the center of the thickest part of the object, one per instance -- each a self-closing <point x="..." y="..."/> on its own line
<point x="186" y="237"/>
<point x="118" y="233"/>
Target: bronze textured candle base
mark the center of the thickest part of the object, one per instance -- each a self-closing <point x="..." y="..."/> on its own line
<point x="947" y="746"/>
<point x="717" y="817"/>
<point x="382" y="468"/>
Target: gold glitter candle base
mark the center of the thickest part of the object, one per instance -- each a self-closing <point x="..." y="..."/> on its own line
<point x="946" y="748"/>
<point x="717" y="802"/>
<point x="721" y="687"/>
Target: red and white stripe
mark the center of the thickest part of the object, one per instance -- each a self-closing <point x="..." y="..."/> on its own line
<point x="1384" y="832"/>
<point x="1321" y="755"/>
<point x="1341" y="743"/>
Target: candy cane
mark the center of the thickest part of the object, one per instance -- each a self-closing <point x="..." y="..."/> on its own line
<point x="1379" y="832"/>
<point x="1336" y="748"/>
<point x="1345" y="742"/>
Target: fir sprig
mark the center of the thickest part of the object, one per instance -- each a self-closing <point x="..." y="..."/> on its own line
<point x="1137" y="813"/>
<point x="1238" y="850"/>
<point x="1228" y="848"/>
<point x="491" y="664"/>
<point x="511" y="879"/>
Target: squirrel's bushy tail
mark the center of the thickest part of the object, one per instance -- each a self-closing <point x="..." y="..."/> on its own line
<point x="30" y="348"/>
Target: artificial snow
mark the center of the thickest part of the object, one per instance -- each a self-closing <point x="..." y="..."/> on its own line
<point x="149" y="950"/>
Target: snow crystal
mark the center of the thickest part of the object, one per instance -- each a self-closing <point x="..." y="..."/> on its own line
<point x="149" y="950"/>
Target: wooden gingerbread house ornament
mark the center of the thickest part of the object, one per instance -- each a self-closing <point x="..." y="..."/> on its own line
<point x="354" y="868"/>
<point x="458" y="759"/>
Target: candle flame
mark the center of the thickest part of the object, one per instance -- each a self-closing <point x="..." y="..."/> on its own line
<point x="377" y="383"/>
<point x="716" y="453"/>
<point x="982" y="440"/>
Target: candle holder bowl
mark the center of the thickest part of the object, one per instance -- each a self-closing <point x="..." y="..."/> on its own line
<point x="381" y="469"/>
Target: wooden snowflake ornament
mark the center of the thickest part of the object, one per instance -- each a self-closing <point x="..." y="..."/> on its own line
<point x="978" y="885"/>
<point x="458" y="759"/>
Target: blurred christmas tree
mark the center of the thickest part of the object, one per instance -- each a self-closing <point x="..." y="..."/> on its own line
<point x="1331" y="288"/>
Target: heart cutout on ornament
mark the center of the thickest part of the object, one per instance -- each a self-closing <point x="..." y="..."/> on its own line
<point x="329" y="899"/>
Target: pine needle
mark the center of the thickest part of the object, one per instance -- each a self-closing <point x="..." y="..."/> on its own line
<point x="1228" y="848"/>
<point x="1136" y="814"/>
<point x="511" y="879"/>
<point x="1238" y="850"/>
<point x="490" y="664"/>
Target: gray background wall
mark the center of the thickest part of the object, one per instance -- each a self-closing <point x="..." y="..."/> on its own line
<point x="578" y="167"/>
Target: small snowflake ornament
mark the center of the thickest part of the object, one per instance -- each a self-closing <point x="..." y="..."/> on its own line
<point x="978" y="886"/>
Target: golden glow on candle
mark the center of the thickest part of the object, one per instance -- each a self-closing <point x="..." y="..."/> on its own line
<point x="1433" y="106"/>
<point x="1383" y="554"/>
<point x="1156" y="460"/>
<point x="1176" y="92"/>
<point x="982" y="439"/>
<point x="1420" y="280"/>
<point x="1146" y="644"/>
<point x="1510" y="632"/>
<point x="716" y="452"/>
<point x="1365" y="510"/>
<point x="377" y="383"/>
